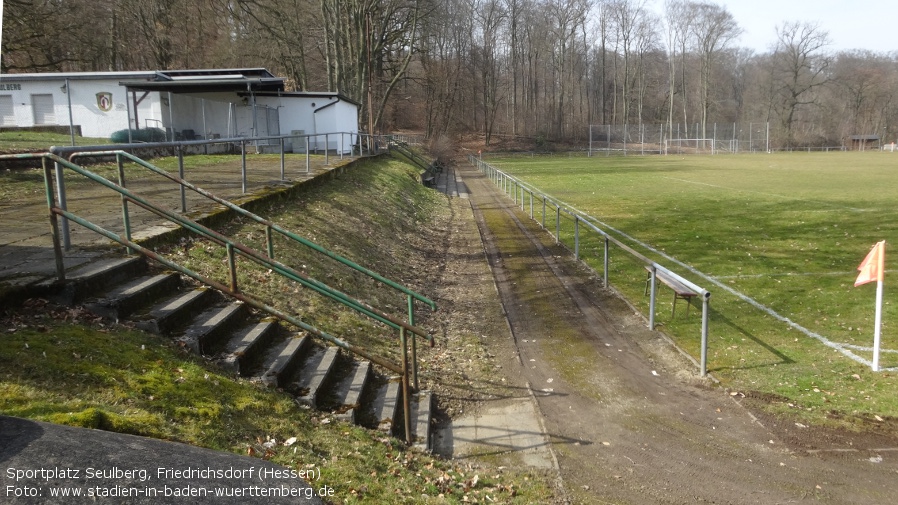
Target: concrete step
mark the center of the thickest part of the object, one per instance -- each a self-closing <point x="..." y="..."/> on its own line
<point x="175" y="311"/>
<point x="96" y="276"/>
<point x="313" y="374"/>
<point x="349" y="390"/>
<point x="422" y="413"/>
<point x="246" y="345"/>
<point x="282" y="359"/>
<point x="122" y="300"/>
<point x="386" y="405"/>
<point x="208" y="329"/>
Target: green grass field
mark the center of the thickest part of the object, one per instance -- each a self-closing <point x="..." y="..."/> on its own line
<point x="785" y="230"/>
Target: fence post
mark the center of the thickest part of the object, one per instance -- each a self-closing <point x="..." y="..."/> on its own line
<point x="652" y="299"/>
<point x="557" y="223"/>
<point x="705" y="310"/>
<point x="605" y="265"/>
<point x="183" y="189"/>
<point x="243" y="164"/>
<point x="60" y="195"/>
<point x="308" y="156"/>
<point x="576" y="237"/>
<point x="411" y="322"/>
<point x="406" y="394"/>
<point x="126" y="217"/>
<point x="283" y="161"/>
<point x="54" y="222"/>
<point x="531" y="204"/>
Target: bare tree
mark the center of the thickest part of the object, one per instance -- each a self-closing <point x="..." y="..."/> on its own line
<point x="677" y="24"/>
<point x="714" y="28"/>
<point x="799" y="68"/>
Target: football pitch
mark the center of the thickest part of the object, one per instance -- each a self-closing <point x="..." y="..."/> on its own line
<point x="776" y="239"/>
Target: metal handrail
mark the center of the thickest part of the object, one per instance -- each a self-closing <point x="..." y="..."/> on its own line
<point x="233" y="248"/>
<point x="499" y="178"/>
<point x="408" y="153"/>
<point x="270" y="226"/>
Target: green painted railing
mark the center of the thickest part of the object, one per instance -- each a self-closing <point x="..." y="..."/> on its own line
<point x="235" y="248"/>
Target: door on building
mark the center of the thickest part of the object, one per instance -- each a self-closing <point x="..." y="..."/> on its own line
<point x="44" y="112"/>
<point x="7" y="113"/>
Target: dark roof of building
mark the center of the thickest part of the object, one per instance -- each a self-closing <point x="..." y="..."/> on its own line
<point x="311" y="94"/>
<point x="210" y="80"/>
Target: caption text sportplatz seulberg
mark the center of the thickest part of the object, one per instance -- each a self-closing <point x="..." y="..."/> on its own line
<point x="73" y="482"/>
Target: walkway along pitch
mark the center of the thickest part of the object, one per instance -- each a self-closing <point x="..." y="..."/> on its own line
<point x="627" y="417"/>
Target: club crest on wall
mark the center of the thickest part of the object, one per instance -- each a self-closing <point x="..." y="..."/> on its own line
<point x="104" y="101"/>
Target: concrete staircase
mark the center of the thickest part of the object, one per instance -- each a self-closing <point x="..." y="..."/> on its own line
<point x="245" y="344"/>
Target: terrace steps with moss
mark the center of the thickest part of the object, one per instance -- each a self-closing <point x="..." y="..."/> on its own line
<point x="242" y="342"/>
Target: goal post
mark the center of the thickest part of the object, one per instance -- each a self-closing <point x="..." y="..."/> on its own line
<point x="689" y="146"/>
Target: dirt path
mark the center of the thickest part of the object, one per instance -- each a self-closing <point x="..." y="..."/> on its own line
<point x="628" y="418"/>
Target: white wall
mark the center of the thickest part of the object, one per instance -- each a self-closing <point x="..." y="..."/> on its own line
<point x="226" y="114"/>
<point x="297" y="113"/>
<point x="85" y="111"/>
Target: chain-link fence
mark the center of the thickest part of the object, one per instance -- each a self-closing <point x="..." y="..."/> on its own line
<point x="714" y="138"/>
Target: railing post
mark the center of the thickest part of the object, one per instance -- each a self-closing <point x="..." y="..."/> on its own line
<point x="342" y="135"/>
<point x="576" y="237"/>
<point x="327" y="153"/>
<point x="605" y="264"/>
<point x="544" y="211"/>
<point x="60" y="194"/>
<point x="232" y="266"/>
<point x="308" y="157"/>
<point x="283" y="161"/>
<point x="531" y="204"/>
<point x="181" y="175"/>
<point x="411" y="322"/>
<point x="126" y="217"/>
<point x="557" y="223"/>
<point x="269" y="239"/>
<point x="406" y="394"/>
<point x="54" y="222"/>
<point x="243" y="165"/>
<point x="653" y="274"/>
<point x="706" y="300"/>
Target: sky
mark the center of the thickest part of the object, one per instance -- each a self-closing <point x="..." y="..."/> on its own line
<point x="871" y="25"/>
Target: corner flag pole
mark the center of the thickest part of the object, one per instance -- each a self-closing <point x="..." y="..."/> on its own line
<point x="878" y="323"/>
<point x="873" y="269"/>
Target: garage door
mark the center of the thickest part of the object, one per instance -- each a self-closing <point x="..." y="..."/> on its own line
<point x="44" y="113"/>
<point x="7" y="115"/>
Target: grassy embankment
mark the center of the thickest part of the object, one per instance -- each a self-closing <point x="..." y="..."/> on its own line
<point x="98" y="375"/>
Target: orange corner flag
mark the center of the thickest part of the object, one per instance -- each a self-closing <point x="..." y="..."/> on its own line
<point x="873" y="266"/>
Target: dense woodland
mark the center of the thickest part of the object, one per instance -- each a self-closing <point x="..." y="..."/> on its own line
<point x="537" y="68"/>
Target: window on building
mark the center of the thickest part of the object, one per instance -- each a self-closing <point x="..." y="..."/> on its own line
<point x="44" y="112"/>
<point x="7" y="114"/>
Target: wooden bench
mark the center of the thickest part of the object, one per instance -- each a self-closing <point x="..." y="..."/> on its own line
<point x="681" y="291"/>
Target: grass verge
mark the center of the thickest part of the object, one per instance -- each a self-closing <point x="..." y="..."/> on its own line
<point x="65" y="366"/>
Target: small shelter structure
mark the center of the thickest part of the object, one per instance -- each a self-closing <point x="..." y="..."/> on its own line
<point x="185" y="104"/>
<point x="864" y="142"/>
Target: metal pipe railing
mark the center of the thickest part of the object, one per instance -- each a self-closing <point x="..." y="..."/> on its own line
<point x="503" y="180"/>
<point x="269" y="225"/>
<point x="233" y="248"/>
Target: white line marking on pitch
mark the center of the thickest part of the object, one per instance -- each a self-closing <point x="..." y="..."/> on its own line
<point x="784" y="197"/>
<point x="841" y="348"/>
